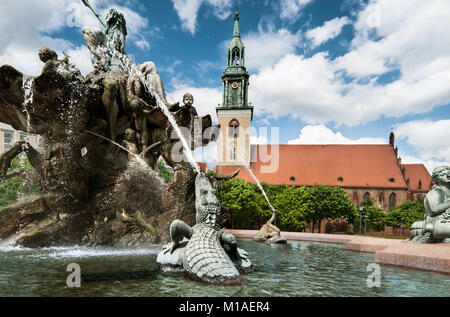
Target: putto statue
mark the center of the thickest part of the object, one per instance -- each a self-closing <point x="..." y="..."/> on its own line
<point x="436" y="225"/>
<point x="204" y="251"/>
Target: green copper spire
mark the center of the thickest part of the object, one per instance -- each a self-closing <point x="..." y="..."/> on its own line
<point x="236" y="32"/>
<point x="235" y="78"/>
<point x="236" y="49"/>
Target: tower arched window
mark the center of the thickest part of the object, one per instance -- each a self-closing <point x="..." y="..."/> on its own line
<point x="236" y="56"/>
<point x="366" y="196"/>
<point x="233" y="129"/>
<point x="392" y="201"/>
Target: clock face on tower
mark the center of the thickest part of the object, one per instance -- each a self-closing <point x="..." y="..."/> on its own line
<point x="235" y="85"/>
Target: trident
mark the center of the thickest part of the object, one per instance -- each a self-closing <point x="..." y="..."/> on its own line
<point x="86" y="3"/>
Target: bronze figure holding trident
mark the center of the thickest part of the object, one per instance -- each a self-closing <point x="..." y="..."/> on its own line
<point x="112" y="38"/>
<point x="87" y="4"/>
<point x="103" y="46"/>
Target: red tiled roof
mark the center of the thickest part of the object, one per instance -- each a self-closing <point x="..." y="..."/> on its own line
<point x="416" y="173"/>
<point x="355" y="165"/>
<point x="202" y="166"/>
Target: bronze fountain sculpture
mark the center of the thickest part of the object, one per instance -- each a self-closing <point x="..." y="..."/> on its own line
<point x="436" y="224"/>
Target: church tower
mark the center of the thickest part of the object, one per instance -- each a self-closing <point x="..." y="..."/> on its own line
<point x="236" y="113"/>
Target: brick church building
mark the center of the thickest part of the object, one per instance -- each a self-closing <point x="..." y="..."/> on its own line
<point x="374" y="171"/>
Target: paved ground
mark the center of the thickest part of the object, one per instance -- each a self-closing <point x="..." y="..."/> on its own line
<point x="430" y="257"/>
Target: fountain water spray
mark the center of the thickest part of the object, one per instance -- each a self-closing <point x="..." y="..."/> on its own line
<point x="131" y="68"/>
<point x="247" y="166"/>
<point x="27" y="86"/>
<point x="137" y="157"/>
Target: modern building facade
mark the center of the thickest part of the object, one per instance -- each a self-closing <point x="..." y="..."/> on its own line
<point x="9" y="136"/>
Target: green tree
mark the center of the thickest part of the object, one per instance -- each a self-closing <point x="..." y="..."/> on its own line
<point x="407" y="213"/>
<point x="10" y="188"/>
<point x="373" y="217"/>
<point x="245" y="202"/>
<point x="295" y="206"/>
<point x="290" y="203"/>
<point x="329" y="202"/>
<point x="164" y="172"/>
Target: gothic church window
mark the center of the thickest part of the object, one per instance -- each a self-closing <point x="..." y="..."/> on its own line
<point x="392" y="201"/>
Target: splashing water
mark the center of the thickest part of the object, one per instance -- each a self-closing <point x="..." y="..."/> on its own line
<point x="260" y="187"/>
<point x="137" y="157"/>
<point x="27" y="86"/>
<point x="257" y="182"/>
<point x="131" y="68"/>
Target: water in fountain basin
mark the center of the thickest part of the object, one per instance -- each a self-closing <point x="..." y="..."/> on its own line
<point x="295" y="269"/>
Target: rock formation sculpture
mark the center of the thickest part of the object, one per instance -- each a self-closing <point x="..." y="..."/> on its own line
<point x="88" y="183"/>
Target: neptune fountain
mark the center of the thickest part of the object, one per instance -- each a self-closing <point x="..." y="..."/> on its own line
<point x="103" y="135"/>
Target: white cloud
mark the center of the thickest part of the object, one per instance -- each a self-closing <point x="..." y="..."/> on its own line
<point x="290" y="9"/>
<point x="406" y="34"/>
<point x="320" y="134"/>
<point x="329" y="30"/>
<point x="266" y="47"/>
<point x="316" y="89"/>
<point x="221" y="8"/>
<point x="187" y="11"/>
<point x="430" y="139"/>
<point x="28" y="25"/>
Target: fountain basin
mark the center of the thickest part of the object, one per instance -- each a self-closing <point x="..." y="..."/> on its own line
<point x="298" y="268"/>
<point x="430" y="257"/>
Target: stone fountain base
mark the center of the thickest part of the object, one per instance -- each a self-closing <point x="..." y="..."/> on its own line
<point x="114" y="217"/>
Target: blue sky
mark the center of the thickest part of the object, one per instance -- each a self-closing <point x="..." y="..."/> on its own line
<point x="322" y="71"/>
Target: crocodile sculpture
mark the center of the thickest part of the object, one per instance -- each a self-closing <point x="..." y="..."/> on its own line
<point x="210" y="254"/>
